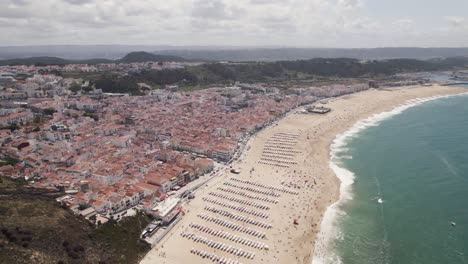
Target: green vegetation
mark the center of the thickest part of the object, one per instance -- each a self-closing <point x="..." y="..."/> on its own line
<point x="197" y="77"/>
<point x="13" y="127"/>
<point x="7" y="160"/>
<point x="75" y="87"/>
<point x="217" y="73"/>
<point x="36" y="229"/>
<point x="82" y="75"/>
<point x="83" y="206"/>
<point x="93" y="116"/>
<point x="355" y="68"/>
<point x="49" y="111"/>
<point x="142" y="56"/>
<point x="111" y="83"/>
<point x="189" y="88"/>
<point x="44" y="61"/>
<point x="124" y="237"/>
<point x="165" y="77"/>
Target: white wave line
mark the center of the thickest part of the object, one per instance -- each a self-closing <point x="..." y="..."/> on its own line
<point x="328" y="229"/>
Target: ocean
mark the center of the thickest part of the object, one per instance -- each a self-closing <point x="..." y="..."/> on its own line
<point x="405" y="188"/>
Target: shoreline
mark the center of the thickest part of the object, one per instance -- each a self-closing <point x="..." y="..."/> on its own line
<point x="329" y="229"/>
<point x="311" y="176"/>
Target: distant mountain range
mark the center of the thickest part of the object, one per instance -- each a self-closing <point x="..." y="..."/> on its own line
<point x="226" y="53"/>
<point x="139" y="56"/>
<point x="82" y="52"/>
<point x="279" y="54"/>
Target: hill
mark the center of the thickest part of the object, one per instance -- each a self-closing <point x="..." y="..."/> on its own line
<point x="35" y="61"/>
<point x="36" y="229"/>
<point x="222" y="73"/>
<point x="41" y="61"/>
<point x="74" y="52"/>
<point x="228" y="53"/>
<point x="142" y="56"/>
<point x="278" y="54"/>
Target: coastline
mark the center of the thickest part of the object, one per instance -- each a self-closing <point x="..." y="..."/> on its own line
<point x="319" y="185"/>
<point x="329" y="229"/>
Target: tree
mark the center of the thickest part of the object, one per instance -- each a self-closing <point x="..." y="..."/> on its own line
<point x="13" y="127"/>
<point x="49" y="111"/>
<point x="7" y="160"/>
<point x="75" y="87"/>
<point x="88" y="89"/>
<point x="93" y="116"/>
<point x="83" y="206"/>
<point x="37" y="119"/>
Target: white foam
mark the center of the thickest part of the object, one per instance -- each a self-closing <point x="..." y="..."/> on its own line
<point x="329" y="230"/>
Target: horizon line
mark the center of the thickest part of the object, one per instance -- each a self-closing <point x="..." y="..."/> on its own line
<point x="234" y="46"/>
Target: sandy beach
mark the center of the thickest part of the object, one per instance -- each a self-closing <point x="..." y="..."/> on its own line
<point x="285" y="181"/>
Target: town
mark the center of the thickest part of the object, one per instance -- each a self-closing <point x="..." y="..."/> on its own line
<point x="111" y="152"/>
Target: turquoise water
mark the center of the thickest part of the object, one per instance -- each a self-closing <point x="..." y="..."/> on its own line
<point x="417" y="163"/>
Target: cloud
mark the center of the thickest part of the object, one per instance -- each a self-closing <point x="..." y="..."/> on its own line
<point x="79" y="2"/>
<point x="403" y="25"/>
<point x="221" y="22"/>
<point x="350" y="4"/>
<point x="215" y="9"/>
<point x="457" y="22"/>
<point x="268" y="2"/>
<point x="20" y="2"/>
<point x="277" y="24"/>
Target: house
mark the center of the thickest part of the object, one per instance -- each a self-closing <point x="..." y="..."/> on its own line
<point x="123" y="141"/>
<point x="21" y="117"/>
<point x="88" y="212"/>
<point x="148" y="189"/>
<point x="164" y="184"/>
<point x="204" y="165"/>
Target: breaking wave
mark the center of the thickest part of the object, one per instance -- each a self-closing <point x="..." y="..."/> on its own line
<point x="329" y="228"/>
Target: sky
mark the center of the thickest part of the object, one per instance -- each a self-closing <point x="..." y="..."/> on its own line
<point x="289" y="23"/>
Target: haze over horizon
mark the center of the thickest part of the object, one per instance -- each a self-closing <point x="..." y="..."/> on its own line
<point x="242" y="23"/>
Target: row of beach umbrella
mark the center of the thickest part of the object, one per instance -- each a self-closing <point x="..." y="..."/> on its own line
<point x="241" y="201"/>
<point x="283" y="134"/>
<point x="275" y="188"/>
<point x="233" y="226"/>
<point x="281" y="150"/>
<point x="269" y="146"/>
<point x="279" y="161"/>
<point x="230" y="236"/>
<point x="253" y="189"/>
<point x="282" y="139"/>
<point x="237" y="217"/>
<point x="241" y="209"/>
<point x="273" y="164"/>
<point x="249" y="195"/>
<point x="280" y="144"/>
<point x="286" y="155"/>
<point x="219" y="246"/>
<point x="281" y="157"/>
<point x="213" y="257"/>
